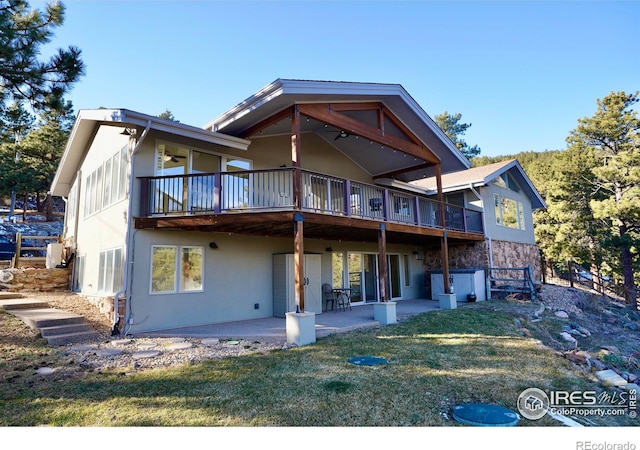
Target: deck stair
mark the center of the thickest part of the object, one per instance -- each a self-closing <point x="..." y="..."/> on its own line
<point x="511" y="280"/>
<point x="55" y="326"/>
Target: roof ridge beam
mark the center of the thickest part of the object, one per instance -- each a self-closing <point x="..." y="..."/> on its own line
<point x="327" y="114"/>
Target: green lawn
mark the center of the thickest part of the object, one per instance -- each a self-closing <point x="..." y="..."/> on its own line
<point x="435" y="361"/>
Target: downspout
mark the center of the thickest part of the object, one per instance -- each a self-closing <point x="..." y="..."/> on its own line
<point x="127" y="268"/>
<point x="76" y="213"/>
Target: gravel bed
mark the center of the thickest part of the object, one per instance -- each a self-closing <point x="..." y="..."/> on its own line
<point x="107" y="352"/>
<point x="139" y="353"/>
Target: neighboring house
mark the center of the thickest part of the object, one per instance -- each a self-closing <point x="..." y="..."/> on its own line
<point x="303" y="183"/>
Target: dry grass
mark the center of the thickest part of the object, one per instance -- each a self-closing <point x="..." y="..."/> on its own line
<point x="436" y="361"/>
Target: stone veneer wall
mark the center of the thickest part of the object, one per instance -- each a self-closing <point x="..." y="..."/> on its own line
<point x="105" y="306"/>
<point x="476" y="255"/>
<point x="37" y="280"/>
<point x="54" y="280"/>
<point x="513" y="254"/>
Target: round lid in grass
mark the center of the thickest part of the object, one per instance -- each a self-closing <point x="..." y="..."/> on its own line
<point x="485" y="415"/>
<point x="368" y="360"/>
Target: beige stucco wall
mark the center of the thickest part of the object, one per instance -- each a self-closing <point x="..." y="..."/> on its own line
<point x="105" y="229"/>
<point x="495" y="231"/>
<point x="237" y="275"/>
<point x="315" y="155"/>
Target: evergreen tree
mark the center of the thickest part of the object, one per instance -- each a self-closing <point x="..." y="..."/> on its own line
<point x="41" y="150"/>
<point x="168" y="115"/>
<point x="23" y="76"/>
<point x="612" y="134"/>
<point x="453" y="128"/>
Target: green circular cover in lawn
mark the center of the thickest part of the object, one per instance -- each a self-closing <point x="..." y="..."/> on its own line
<point x="485" y="415"/>
<point x="368" y="360"/>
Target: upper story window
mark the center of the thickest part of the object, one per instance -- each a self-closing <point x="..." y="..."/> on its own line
<point x="509" y="212"/>
<point x="506" y="181"/>
<point x="455" y="199"/>
<point x="176" y="159"/>
<point x="106" y="185"/>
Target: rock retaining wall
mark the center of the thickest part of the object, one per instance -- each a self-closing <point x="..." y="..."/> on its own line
<point x="35" y="280"/>
<point x="476" y="255"/>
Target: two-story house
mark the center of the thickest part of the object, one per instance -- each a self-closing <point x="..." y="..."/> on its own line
<point x="301" y="184"/>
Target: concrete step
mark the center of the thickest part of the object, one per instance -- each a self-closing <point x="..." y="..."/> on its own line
<point x="65" y="329"/>
<point x="21" y="303"/>
<point x="10" y="295"/>
<point x="56" y="327"/>
<point x="71" y="338"/>
<point x="47" y="317"/>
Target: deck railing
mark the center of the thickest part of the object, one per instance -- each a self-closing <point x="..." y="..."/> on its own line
<point x="272" y="190"/>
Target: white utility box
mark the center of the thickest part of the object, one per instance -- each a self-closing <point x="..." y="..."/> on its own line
<point x="465" y="282"/>
<point x="54" y="255"/>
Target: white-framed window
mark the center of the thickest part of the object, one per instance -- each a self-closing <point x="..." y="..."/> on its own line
<point x="110" y="271"/>
<point x="106" y="185"/>
<point x="93" y="192"/>
<point x="115" y="178"/>
<point x="191" y="268"/>
<point x="176" y="269"/>
<point x="509" y="212"/>
<point x="71" y="204"/>
<point x="507" y="181"/>
<point x="406" y="265"/>
<point x="177" y="159"/>
<point x="78" y="273"/>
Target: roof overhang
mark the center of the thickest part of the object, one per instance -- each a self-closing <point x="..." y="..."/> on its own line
<point x="284" y="93"/>
<point x="482" y="176"/>
<point x="88" y="122"/>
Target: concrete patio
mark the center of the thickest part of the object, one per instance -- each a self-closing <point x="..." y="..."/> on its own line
<point x="273" y="328"/>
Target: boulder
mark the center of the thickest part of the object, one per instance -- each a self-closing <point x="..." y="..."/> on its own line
<point x="567" y="337"/>
<point x="610" y="378"/>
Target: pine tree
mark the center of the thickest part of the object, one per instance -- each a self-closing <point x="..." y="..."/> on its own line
<point x="453" y="128"/>
<point x="23" y="76"/>
<point x="612" y="135"/>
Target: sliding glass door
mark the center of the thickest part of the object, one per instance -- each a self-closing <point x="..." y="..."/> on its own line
<point x="364" y="275"/>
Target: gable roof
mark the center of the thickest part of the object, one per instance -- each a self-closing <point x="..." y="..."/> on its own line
<point x="284" y="93"/>
<point x="482" y="176"/>
<point x="88" y="121"/>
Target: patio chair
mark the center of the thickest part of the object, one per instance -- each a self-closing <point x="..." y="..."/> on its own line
<point x="344" y="301"/>
<point x="329" y="296"/>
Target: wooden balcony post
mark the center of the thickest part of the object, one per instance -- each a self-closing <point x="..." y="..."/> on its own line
<point x="295" y="158"/>
<point x="464" y="220"/>
<point x="386" y="212"/>
<point x="416" y="210"/>
<point x="444" y="244"/>
<point x="217" y="193"/>
<point x="382" y="262"/>
<point x="347" y="197"/>
<point x="445" y="262"/>
<point x="145" y="209"/>
<point x="298" y="259"/>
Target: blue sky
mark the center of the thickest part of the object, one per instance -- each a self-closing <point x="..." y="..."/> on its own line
<point x="520" y="72"/>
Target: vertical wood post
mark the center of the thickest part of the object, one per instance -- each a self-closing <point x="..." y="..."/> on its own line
<point x="382" y="262"/>
<point x="443" y="244"/>
<point x="295" y="158"/>
<point x="298" y="259"/>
